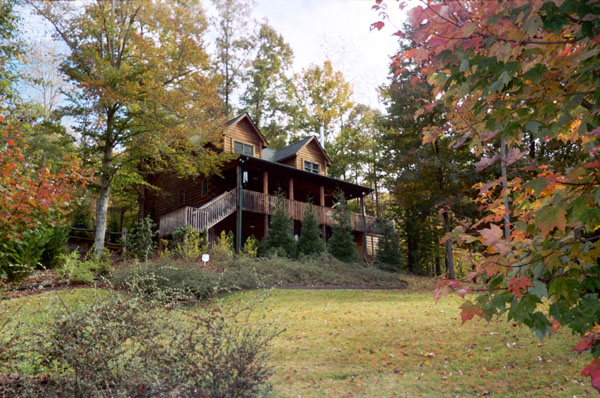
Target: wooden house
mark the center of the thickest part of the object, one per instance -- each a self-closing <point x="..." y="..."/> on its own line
<point x="243" y="197"/>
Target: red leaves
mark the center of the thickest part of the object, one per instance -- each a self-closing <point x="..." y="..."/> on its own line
<point x="399" y="33"/>
<point x="593" y="370"/>
<point x="583" y="345"/>
<point x="588" y="340"/>
<point x="515" y="285"/>
<point x="377" y="25"/>
<point x="469" y="310"/>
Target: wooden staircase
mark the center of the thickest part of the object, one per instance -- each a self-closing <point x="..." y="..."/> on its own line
<point x="200" y="218"/>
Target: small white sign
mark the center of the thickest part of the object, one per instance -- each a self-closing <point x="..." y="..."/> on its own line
<point x="205" y="258"/>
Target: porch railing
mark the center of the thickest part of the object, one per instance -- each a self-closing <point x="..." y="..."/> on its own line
<point x="226" y="204"/>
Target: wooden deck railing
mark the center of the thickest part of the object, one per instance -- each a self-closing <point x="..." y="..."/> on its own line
<point x="222" y="206"/>
<point x="258" y="202"/>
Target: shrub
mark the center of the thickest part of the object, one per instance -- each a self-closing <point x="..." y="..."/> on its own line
<point x="223" y="247"/>
<point x="279" y="240"/>
<point x="168" y="280"/>
<point x="114" y="348"/>
<point x="192" y="245"/>
<point x="77" y="270"/>
<point x="55" y="247"/>
<point x="310" y="242"/>
<point x="140" y="240"/>
<point x="388" y="254"/>
<point x="341" y="243"/>
<point x="250" y="248"/>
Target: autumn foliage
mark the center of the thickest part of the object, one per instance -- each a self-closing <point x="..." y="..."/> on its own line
<point x="32" y="196"/>
<point x="519" y="77"/>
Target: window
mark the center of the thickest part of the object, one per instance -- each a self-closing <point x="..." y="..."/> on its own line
<point x="240" y="147"/>
<point x="204" y="187"/>
<point x="312" y="167"/>
<point x="181" y="196"/>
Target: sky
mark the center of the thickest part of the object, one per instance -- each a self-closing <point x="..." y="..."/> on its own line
<point x="337" y="30"/>
<point x="317" y="30"/>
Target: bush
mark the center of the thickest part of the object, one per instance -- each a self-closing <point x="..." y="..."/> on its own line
<point x="223" y="247"/>
<point x="140" y="240"/>
<point x="341" y="243"/>
<point x="116" y="349"/>
<point x="77" y="270"/>
<point x="40" y="247"/>
<point x="250" y="248"/>
<point x="279" y="240"/>
<point x="190" y="244"/>
<point x="310" y="242"/>
<point x="167" y="280"/>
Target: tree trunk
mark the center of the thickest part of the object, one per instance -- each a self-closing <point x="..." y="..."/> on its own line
<point x="105" y="177"/>
<point x="101" y="215"/>
<point x="438" y="266"/>
<point x="449" y="256"/>
<point x="141" y="202"/>
<point x="504" y="187"/>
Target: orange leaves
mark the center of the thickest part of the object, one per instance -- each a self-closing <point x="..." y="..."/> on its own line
<point x="515" y="285"/>
<point x="550" y="217"/>
<point x="492" y="237"/>
<point x="469" y="310"/>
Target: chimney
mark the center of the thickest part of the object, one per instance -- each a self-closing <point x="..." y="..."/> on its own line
<point x="322" y="135"/>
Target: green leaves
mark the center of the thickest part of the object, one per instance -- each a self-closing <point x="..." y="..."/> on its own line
<point x="550" y="217"/>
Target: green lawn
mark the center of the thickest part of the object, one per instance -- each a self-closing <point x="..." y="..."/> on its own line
<point x="353" y="343"/>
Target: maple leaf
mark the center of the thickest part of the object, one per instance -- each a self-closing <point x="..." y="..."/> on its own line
<point x="593" y="370"/>
<point x="493" y="238"/>
<point x="516" y="284"/>
<point x="583" y="345"/>
<point x="399" y="33"/>
<point x="550" y="217"/>
<point x="513" y="155"/>
<point x="469" y="311"/>
<point x="377" y="25"/>
<point x="463" y="291"/>
<point x="485" y="162"/>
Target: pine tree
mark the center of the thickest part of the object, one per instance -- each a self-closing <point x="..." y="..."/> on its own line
<point x="341" y="243"/>
<point x="279" y="237"/>
<point x="310" y="241"/>
<point x="388" y="250"/>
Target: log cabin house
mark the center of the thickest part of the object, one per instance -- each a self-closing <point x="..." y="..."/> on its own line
<point x="243" y="198"/>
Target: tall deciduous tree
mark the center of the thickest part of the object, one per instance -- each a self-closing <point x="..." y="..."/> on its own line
<point x="234" y="45"/>
<point x="322" y="97"/>
<point x="267" y="94"/>
<point x="142" y="86"/>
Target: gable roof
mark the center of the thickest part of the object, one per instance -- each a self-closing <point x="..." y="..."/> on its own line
<point x="246" y="116"/>
<point x="293" y="149"/>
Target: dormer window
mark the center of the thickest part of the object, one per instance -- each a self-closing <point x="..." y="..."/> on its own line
<point x="245" y="149"/>
<point x="311" y="167"/>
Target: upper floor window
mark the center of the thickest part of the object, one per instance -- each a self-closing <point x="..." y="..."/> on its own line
<point x="240" y="147"/>
<point x="204" y="187"/>
<point x="312" y="167"/>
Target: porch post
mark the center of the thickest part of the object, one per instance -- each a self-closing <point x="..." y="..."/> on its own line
<point x="291" y="196"/>
<point x="238" y="235"/>
<point x="362" y="209"/>
<point x="266" y="198"/>
<point x="323" y="215"/>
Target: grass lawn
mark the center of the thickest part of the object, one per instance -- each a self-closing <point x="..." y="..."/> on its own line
<point x="353" y="343"/>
